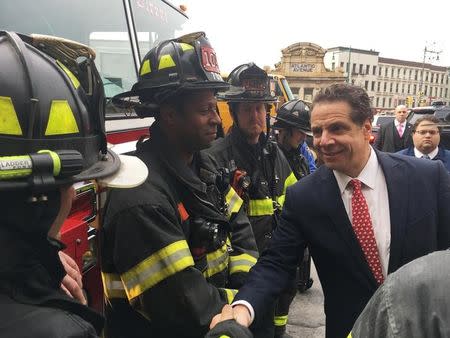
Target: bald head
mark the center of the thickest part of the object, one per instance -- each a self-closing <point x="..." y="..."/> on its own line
<point x="401" y="113"/>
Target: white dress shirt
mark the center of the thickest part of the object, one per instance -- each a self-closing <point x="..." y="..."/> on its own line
<point x="375" y="192"/>
<point x="432" y="155"/>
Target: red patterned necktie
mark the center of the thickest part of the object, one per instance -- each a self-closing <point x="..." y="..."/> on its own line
<point x="362" y="225"/>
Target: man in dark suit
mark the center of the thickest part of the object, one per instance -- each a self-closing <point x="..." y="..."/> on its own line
<point x="396" y="135"/>
<point x="426" y="138"/>
<point x="363" y="215"/>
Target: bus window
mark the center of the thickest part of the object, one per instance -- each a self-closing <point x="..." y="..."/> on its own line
<point x="155" y="21"/>
<point x="100" y="24"/>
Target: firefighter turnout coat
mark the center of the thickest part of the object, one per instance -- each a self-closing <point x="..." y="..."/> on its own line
<point x="297" y="162"/>
<point x="269" y="173"/>
<point x="175" y="249"/>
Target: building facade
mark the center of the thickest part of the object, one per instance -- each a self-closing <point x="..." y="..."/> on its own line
<point x="303" y="66"/>
<point x="390" y="82"/>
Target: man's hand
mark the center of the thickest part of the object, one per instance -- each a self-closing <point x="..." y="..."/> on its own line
<point x="72" y="283"/>
<point x="238" y="312"/>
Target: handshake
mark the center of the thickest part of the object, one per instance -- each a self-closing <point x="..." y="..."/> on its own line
<point x="232" y="322"/>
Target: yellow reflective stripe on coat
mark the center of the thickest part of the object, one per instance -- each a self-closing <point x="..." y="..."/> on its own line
<point x="280" y="320"/>
<point x="241" y="263"/>
<point x="152" y="270"/>
<point x="349" y="335"/>
<point x="234" y="202"/>
<point x="260" y="207"/>
<point x="224" y="336"/>
<point x="290" y="180"/>
<point x="217" y="261"/>
<point x="113" y="286"/>
<point x="230" y="293"/>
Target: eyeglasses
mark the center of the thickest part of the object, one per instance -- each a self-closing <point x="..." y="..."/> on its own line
<point x="423" y="132"/>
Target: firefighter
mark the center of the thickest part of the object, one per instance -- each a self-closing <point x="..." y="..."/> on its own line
<point x="51" y="136"/>
<point x="259" y="169"/>
<point x="293" y="125"/>
<point x="176" y="248"/>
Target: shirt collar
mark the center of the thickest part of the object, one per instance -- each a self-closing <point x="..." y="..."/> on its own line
<point x="367" y="176"/>
<point x="432" y="155"/>
<point x="397" y="123"/>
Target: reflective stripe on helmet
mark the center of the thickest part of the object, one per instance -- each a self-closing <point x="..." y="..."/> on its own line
<point x="145" y="69"/>
<point x="9" y="122"/>
<point x="241" y="263"/>
<point x="61" y="119"/>
<point x="185" y="46"/>
<point x="166" y="61"/>
<point x="217" y="261"/>
<point x="72" y="77"/>
<point x="157" y="267"/>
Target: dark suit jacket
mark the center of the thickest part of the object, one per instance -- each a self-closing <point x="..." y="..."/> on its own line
<point x="442" y="155"/>
<point x="385" y="140"/>
<point x="314" y="215"/>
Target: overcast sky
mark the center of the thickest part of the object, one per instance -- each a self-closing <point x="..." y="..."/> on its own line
<point x="250" y="30"/>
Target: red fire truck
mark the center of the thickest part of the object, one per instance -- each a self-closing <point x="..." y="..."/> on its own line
<point x="120" y="32"/>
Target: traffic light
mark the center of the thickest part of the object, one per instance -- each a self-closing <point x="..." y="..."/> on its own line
<point x="409" y="101"/>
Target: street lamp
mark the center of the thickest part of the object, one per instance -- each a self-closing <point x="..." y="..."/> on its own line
<point x="432" y="55"/>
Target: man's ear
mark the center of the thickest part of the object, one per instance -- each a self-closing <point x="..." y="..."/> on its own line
<point x="367" y="127"/>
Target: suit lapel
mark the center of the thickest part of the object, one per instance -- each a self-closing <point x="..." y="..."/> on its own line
<point x="338" y="215"/>
<point x="397" y="187"/>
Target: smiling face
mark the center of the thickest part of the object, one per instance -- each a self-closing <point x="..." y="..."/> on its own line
<point x="342" y="144"/>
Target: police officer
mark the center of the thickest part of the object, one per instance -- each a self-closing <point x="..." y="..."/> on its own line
<point x="248" y="153"/>
<point x="293" y="125"/>
<point x="51" y="135"/>
<point x="176" y="248"/>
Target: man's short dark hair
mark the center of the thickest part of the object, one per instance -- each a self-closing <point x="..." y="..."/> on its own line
<point x="355" y="96"/>
<point x="429" y="118"/>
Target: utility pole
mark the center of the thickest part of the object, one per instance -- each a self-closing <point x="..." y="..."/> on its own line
<point x="349" y="74"/>
<point x="426" y="51"/>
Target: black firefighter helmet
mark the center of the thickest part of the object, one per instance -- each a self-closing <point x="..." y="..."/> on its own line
<point x="294" y="114"/>
<point x="171" y="68"/>
<point x="52" y="129"/>
<point x="249" y="83"/>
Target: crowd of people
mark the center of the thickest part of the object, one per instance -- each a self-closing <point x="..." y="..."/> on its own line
<point x="214" y="236"/>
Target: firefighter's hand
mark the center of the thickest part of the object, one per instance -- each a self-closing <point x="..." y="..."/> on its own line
<point x="72" y="282"/>
<point x="239" y="313"/>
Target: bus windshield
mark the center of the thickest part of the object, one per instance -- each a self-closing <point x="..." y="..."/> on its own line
<point x="100" y="24"/>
